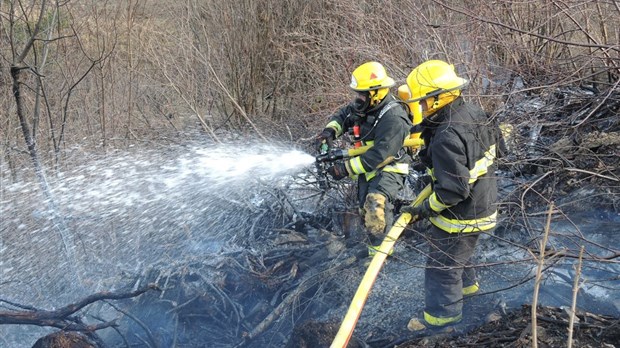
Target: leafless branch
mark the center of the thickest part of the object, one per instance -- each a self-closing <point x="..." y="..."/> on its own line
<point x="60" y="318"/>
<point x="530" y="33"/>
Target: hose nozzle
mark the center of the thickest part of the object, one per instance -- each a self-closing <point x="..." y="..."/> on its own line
<point x="331" y="156"/>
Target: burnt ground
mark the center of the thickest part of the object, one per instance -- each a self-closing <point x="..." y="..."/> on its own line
<point x="487" y="323"/>
<point x="512" y="329"/>
<point x="288" y="273"/>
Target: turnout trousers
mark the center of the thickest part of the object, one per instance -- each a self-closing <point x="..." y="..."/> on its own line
<point x="448" y="275"/>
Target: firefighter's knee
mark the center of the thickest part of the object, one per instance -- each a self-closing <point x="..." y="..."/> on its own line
<point x="374" y="218"/>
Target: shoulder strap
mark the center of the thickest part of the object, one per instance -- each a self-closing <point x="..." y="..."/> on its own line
<point x="385" y="109"/>
<point x="390" y="104"/>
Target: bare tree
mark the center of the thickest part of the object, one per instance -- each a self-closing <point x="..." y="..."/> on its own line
<point x="26" y="66"/>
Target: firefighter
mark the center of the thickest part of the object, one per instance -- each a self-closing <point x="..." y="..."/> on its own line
<point x="374" y="117"/>
<point x="460" y="154"/>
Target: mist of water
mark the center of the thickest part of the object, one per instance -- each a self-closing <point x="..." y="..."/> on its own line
<point x="132" y="209"/>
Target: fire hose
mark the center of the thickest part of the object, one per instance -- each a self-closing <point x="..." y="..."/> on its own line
<point x="357" y="304"/>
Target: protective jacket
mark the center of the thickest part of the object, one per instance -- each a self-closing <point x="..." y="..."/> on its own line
<point x="460" y="153"/>
<point x="386" y="126"/>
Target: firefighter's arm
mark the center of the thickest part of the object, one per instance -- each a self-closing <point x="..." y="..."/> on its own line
<point x="338" y="121"/>
<point x="333" y="129"/>
<point x="451" y="185"/>
<point x="389" y="138"/>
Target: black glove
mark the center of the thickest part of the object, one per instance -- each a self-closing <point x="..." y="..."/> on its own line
<point x="338" y="171"/>
<point x="423" y="211"/>
<point x="419" y="167"/>
<point x="327" y="136"/>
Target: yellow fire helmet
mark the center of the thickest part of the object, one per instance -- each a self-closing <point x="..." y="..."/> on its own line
<point x="435" y="79"/>
<point x="371" y="77"/>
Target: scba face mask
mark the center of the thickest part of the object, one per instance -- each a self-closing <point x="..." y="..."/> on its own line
<point x="361" y="103"/>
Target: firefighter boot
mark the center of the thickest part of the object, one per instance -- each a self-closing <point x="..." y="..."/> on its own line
<point x="471" y="289"/>
<point x="416" y="324"/>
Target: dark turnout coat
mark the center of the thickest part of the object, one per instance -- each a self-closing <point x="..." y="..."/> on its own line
<point x="386" y="127"/>
<point x="461" y="150"/>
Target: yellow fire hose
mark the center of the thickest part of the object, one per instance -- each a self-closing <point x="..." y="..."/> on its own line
<point x="409" y="142"/>
<point x="357" y="304"/>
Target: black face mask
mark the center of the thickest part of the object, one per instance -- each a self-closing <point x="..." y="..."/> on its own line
<point x="361" y="104"/>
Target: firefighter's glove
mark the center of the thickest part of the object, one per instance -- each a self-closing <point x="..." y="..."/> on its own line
<point x="419" y="167"/>
<point x="327" y="136"/>
<point x="338" y="170"/>
<point x="423" y="211"/>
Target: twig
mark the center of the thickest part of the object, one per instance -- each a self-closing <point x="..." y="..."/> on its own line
<point x="176" y="329"/>
<point x="611" y="90"/>
<point x="571" y="320"/>
<point x="138" y="321"/>
<point x="525" y="191"/>
<point x="232" y="99"/>
<point x="115" y="329"/>
<point x="14" y="304"/>
<point x="176" y="308"/>
<point x="530" y="33"/>
<point x="142" y="340"/>
<point x="592" y="173"/>
<point x="564" y="322"/>
<point x="226" y="298"/>
<point x="541" y="263"/>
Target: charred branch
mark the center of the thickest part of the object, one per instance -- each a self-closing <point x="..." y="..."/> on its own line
<point x="62" y="318"/>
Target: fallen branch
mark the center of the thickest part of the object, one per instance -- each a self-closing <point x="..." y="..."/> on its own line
<point x="61" y="319"/>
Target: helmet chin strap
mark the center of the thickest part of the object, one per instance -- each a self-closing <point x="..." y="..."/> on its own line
<point x="373" y="97"/>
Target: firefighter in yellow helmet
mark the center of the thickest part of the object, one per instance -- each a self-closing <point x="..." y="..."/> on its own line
<point x="460" y="154"/>
<point x="374" y="117"/>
